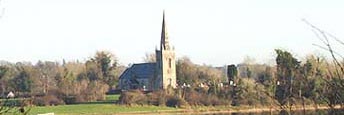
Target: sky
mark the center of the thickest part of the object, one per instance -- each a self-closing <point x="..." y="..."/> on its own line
<point x="213" y="32"/>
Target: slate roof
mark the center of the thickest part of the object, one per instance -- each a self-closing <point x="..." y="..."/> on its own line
<point x="140" y="71"/>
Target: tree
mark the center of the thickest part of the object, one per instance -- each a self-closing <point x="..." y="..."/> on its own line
<point x="26" y="80"/>
<point x="312" y="83"/>
<point x="249" y="60"/>
<point x="3" y="71"/>
<point x="149" y="58"/>
<point x="186" y="71"/>
<point x="193" y="74"/>
<point x="287" y="68"/>
<point x="232" y="72"/>
<point x="248" y="92"/>
<point x="333" y="92"/>
<point x="47" y="72"/>
<point x="93" y="71"/>
<point x="80" y="82"/>
<point x="107" y="63"/>
<point x="23" y="82"/>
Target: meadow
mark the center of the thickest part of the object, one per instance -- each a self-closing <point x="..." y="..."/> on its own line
<point x="96" y="109"/>
<point x="99" y="108"/>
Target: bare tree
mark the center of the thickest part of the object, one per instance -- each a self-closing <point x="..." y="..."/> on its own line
<point x="333" y="92"/>
<point x="149" y="58"/>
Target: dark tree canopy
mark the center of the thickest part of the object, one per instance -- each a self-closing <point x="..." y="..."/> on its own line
<point x="287" y="69"/>
<point x="232" y="72"/>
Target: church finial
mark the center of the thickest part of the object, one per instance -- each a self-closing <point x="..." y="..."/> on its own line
<point x="164" y="45"/>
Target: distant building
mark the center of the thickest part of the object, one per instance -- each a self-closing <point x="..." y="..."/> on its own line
<point x="10" y="95"/>
<point x="153" y="76"/>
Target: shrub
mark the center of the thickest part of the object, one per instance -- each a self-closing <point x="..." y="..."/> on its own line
<point x="193" y="97"/>
<point x="47" y="100"/>
<point x="39" y="101"/>
<point x="251" y="93"/>
<point x="157" y="98"/>
<point x="69" y="99"/>
<point x="174" y="101"/>
<point x="214" y="100"/>
<point x="133" y="97"/>
<point x="52" y="100"/>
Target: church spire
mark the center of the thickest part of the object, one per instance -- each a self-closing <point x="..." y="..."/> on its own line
<point x="164" y="45"/>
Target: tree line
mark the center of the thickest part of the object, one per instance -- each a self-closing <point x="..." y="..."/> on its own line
<point x="59" y="83"/>
<point x="289" y="82"/>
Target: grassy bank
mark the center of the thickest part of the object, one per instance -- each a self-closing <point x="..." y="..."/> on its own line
<point x="98" y="109"/>
<point x="109" y="107"/>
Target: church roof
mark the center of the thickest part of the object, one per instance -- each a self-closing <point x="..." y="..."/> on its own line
<point x="140" y="71"/>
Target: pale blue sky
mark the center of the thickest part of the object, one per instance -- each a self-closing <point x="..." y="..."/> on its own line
<point x="211" y="31"/>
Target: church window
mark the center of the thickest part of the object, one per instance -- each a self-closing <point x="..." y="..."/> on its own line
<point x="170" y="62"/>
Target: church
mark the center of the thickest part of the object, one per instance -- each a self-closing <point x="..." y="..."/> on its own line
<point x="153" y="76"/>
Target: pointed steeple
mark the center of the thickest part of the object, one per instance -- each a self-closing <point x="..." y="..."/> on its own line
<point x="164" y="45"/>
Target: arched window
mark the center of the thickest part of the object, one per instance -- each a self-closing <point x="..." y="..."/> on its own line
<point x="170" y="62"/>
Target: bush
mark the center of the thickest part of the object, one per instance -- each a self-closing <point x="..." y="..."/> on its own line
<point x="48" y="100"/>
<point x="174" y="101"/>
<point x="157" y="98"/>
<point x="38" y="101"/>
<point x="215" y="101"/>
<point x="193" y="97"/>
<point x="251" y="93"/>
<point x="69" y="99"/>
<point x="199" y="97"/>
<point x="52" y="100"/>
<point x="133" y="97"/>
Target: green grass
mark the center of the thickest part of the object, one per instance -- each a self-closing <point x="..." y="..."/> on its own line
<point x="99" y="109"/>
<point x="114" y="97"/>
<point x="109" y="99"/>
<point x="12" y="101"/>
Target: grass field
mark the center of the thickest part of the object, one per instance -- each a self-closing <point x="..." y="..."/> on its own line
<point x="112" y="97"/>
<point x="99" y="108"/>
<point x="108" y="107"/>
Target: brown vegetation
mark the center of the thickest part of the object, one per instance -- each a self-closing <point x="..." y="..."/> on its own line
<point x="52" y="83"/>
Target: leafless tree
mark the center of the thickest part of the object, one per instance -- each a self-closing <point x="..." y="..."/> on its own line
<point x="149" y="58"/>
<point x="333" y="91"/>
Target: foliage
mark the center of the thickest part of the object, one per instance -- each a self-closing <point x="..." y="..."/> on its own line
<point x="52" y="83"/>
<point x="102" y="66"/>
<point x="232" y="72"/>
<point x="333" y="91"/>
<point x="48" y="100"/>
<point x="287" y="67"/>
<point x="112" y="98"/>
<point x="289" y="82"/>
<point x="149" y="58"/>
<point x="193" y="74"/>
<point x="133" y="97"/>
<point x="14" y="106"/>
<point x="175" y="101"/>
<point x="252" y="93"/>
<point x="160" y="98"/>
<point x="186" y="71"/>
